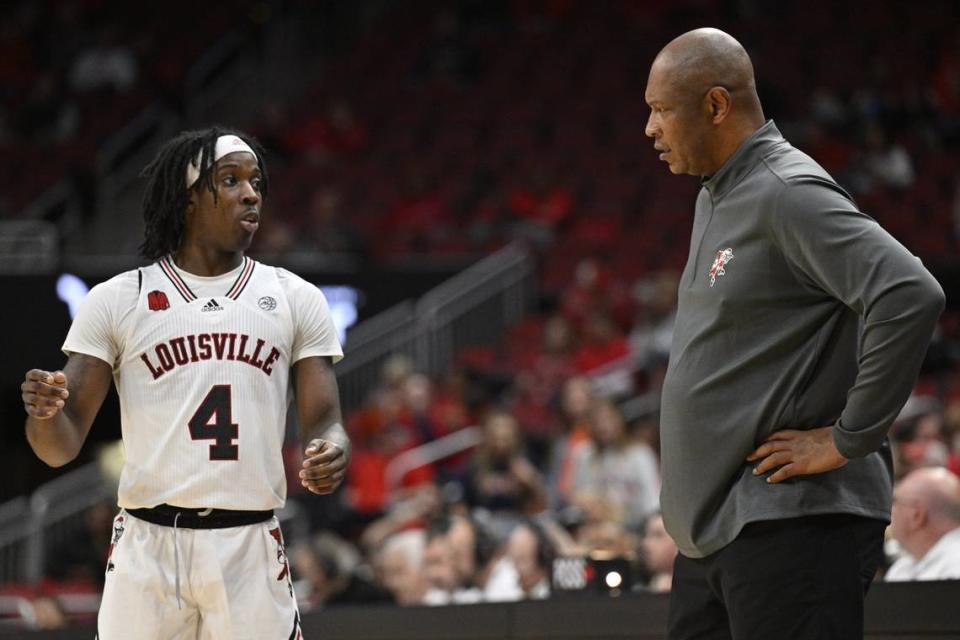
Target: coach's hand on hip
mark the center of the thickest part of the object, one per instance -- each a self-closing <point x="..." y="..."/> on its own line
<point x="324" y="466"/>
<point x="797" y="453"/>
<point x="44" y="393"/>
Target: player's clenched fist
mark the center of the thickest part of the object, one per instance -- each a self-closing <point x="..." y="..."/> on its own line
<point x="44" y="393"/>
<point x="324" y="466"/>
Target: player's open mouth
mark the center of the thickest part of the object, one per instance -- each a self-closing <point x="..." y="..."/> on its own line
<point x="250" y="222"/>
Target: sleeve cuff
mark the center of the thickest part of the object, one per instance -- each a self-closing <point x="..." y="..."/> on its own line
<point x="335" y="356"/>
<point x="857" y="444"/>
<point x="86" y="350"/>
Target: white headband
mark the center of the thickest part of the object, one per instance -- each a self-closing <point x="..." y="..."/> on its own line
<point x="225" y="145"/>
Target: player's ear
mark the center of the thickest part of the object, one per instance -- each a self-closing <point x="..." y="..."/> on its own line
<point x="191" y="201"/>
<point x="718" y="104"/>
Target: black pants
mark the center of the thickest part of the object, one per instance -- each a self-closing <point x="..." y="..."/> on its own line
<point x="802" y="578"/>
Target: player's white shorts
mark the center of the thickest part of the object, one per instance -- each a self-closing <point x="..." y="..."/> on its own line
<point x="234" y="584"/>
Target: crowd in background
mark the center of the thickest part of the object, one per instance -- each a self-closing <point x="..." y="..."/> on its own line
<point x="447" y="130"/>
<point x="579" y="479"/>
<point x="73" y="72"/>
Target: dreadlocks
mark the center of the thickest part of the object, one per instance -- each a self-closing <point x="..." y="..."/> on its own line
<point x="166" y="196"/>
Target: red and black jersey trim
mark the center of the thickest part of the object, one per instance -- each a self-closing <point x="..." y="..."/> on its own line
<point x="169" y="270"/>
<point x="242" y="279"/>
<point x="166" y="265"/>
<point x="296" y="634"/>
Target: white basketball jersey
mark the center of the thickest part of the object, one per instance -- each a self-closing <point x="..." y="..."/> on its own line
<point x="204" y="390"/>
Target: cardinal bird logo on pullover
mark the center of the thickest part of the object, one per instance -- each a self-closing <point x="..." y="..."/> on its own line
<point x="717" y="269"/>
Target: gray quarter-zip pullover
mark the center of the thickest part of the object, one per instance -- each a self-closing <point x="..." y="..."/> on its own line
<point x="796" y="311"/>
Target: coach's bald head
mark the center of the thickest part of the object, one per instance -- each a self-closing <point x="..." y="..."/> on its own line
<point x="703" y="100"/>
<point x="705" y="58"/>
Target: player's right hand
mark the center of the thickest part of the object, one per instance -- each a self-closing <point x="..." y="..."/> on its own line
<point x="44" y="393"/>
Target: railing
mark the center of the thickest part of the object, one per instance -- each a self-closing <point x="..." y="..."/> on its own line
<point x="474" y="307"/>
<point x="369" y="344"/>
<point x="431" y="452"/>
<point x="14" y="533"/>
<point x="57" y="509"/>
<point x="29" y="528"/>
<point x="215" y="72"/>
<point x="122" y="156"/>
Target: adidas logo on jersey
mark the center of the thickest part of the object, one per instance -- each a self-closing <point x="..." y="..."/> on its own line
<point x="211" y="306"/>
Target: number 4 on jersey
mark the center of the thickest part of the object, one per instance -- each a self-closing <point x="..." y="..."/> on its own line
<point x="213" y="420"/>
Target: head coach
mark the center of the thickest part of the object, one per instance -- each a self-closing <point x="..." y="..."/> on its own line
<point x="800" y="332"/>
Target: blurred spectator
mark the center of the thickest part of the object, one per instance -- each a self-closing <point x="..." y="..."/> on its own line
<point x="605" y="538"/>
<point x="918" y="436"/>
<point x="595" y="291"/>
<point x="576" y="400"/>
<point x="926" y="523"/>
<point x="413" y="511"/>
<point x="659" y="553"/>
<point x="445" y="567"/>
<point x="603" y="344"/>
<point x="652" y="331"/>
<point x="326" y="582"/>
<point x="615" y="471"/>
<point x="884" y="164"/>
<point x="467" y="555"/>
<point x="531" y="552"/>
<point x="367" y="491"/>
<point x="399" y="566"/>
<point x="499" y="478"/>
<point x="381" y="431"/>
<point x="46" y="612"/>
<point x="542" y="375"/>
<point x="826" y="108"/>
<point x="474" y="552"/>
<point x="418" y="400"/>
<point x="952" y="435"/>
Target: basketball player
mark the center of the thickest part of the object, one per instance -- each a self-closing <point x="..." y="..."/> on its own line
<point x="801" y="326"/>
<point x="205" y="347"/>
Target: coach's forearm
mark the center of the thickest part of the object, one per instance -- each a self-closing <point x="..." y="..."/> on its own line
<point x="56" y="440"/>
<point x="896" y="334"/>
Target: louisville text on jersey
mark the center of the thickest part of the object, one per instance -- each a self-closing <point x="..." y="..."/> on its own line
<point x="208" y="346"/>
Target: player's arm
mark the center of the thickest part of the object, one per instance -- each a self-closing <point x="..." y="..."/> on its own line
<point x="327" y="450"/>
<point x="61" y="406"/>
